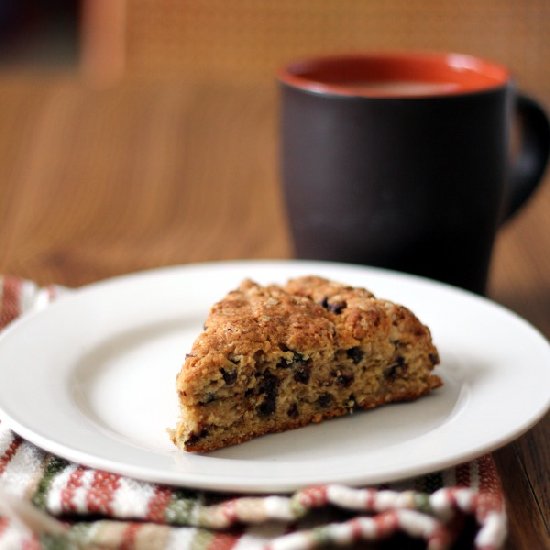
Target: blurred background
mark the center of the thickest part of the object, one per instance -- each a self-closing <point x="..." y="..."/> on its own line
<point x="246" y="40"/>
<point x="120" y="118"/>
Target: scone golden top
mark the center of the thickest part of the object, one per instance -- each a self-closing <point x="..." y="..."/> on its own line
<point x="275" y="357"/>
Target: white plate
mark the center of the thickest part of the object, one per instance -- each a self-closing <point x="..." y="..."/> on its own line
<point x="92" y="378"/>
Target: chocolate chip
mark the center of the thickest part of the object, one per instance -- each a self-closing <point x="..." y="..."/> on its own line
<point x="196" y="437"/>
<point x="355" y="354"/>
<point x="258" y="356"/>
<point x="269" y="383"/>
<point x="301" y="373"/>
<point x="292" y="411"/>
<point x="248" y="392"/>
<point x="208" y="399"/>
<point x="390" y="373"/>
<point x="434" y="358"/>
<point x="268" y="388"/>
<point x="283" y="364"/>
<point x="324" y="400"/>
<point x="398" y="368"/>
<point x="229" y="377"/>
<point x="345" y="380"/>
<point x="335" y="307"/>
<point x="267" y="407"/>
<point x="298" y="358"/>
<point x="301" y="368"/>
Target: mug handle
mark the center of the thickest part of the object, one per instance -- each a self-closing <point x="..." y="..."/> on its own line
<point x="526" y="173"/>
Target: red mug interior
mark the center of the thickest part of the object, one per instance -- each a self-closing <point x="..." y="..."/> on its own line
<point x="395" y="74"/>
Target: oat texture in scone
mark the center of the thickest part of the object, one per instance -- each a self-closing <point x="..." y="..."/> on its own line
<point x="274" y="358"/>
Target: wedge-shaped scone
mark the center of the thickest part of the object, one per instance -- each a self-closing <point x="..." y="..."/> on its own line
<point x="274" y="358"/>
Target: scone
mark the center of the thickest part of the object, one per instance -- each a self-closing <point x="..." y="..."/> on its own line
<point x="273" y="358"/>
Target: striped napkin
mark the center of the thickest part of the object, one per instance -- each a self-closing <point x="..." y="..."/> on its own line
<point x="48" y="502"/>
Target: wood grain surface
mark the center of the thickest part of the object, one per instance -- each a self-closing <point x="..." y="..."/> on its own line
<point x="96" y="183"/>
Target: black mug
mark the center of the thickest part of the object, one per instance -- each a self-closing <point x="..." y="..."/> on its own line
<point x="403" y="160"/>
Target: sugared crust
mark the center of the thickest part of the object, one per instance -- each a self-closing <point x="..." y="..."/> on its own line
<point x="266" y="349"/>
<point x="256" y="318"/>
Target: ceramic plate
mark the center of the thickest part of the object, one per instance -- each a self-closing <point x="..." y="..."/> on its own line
<point x="92" y="379"/>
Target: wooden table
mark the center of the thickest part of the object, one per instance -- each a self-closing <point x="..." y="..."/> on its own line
<point x="96" y="183"/>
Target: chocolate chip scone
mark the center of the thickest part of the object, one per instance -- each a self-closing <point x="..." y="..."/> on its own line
<point x="273" y="358"/>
